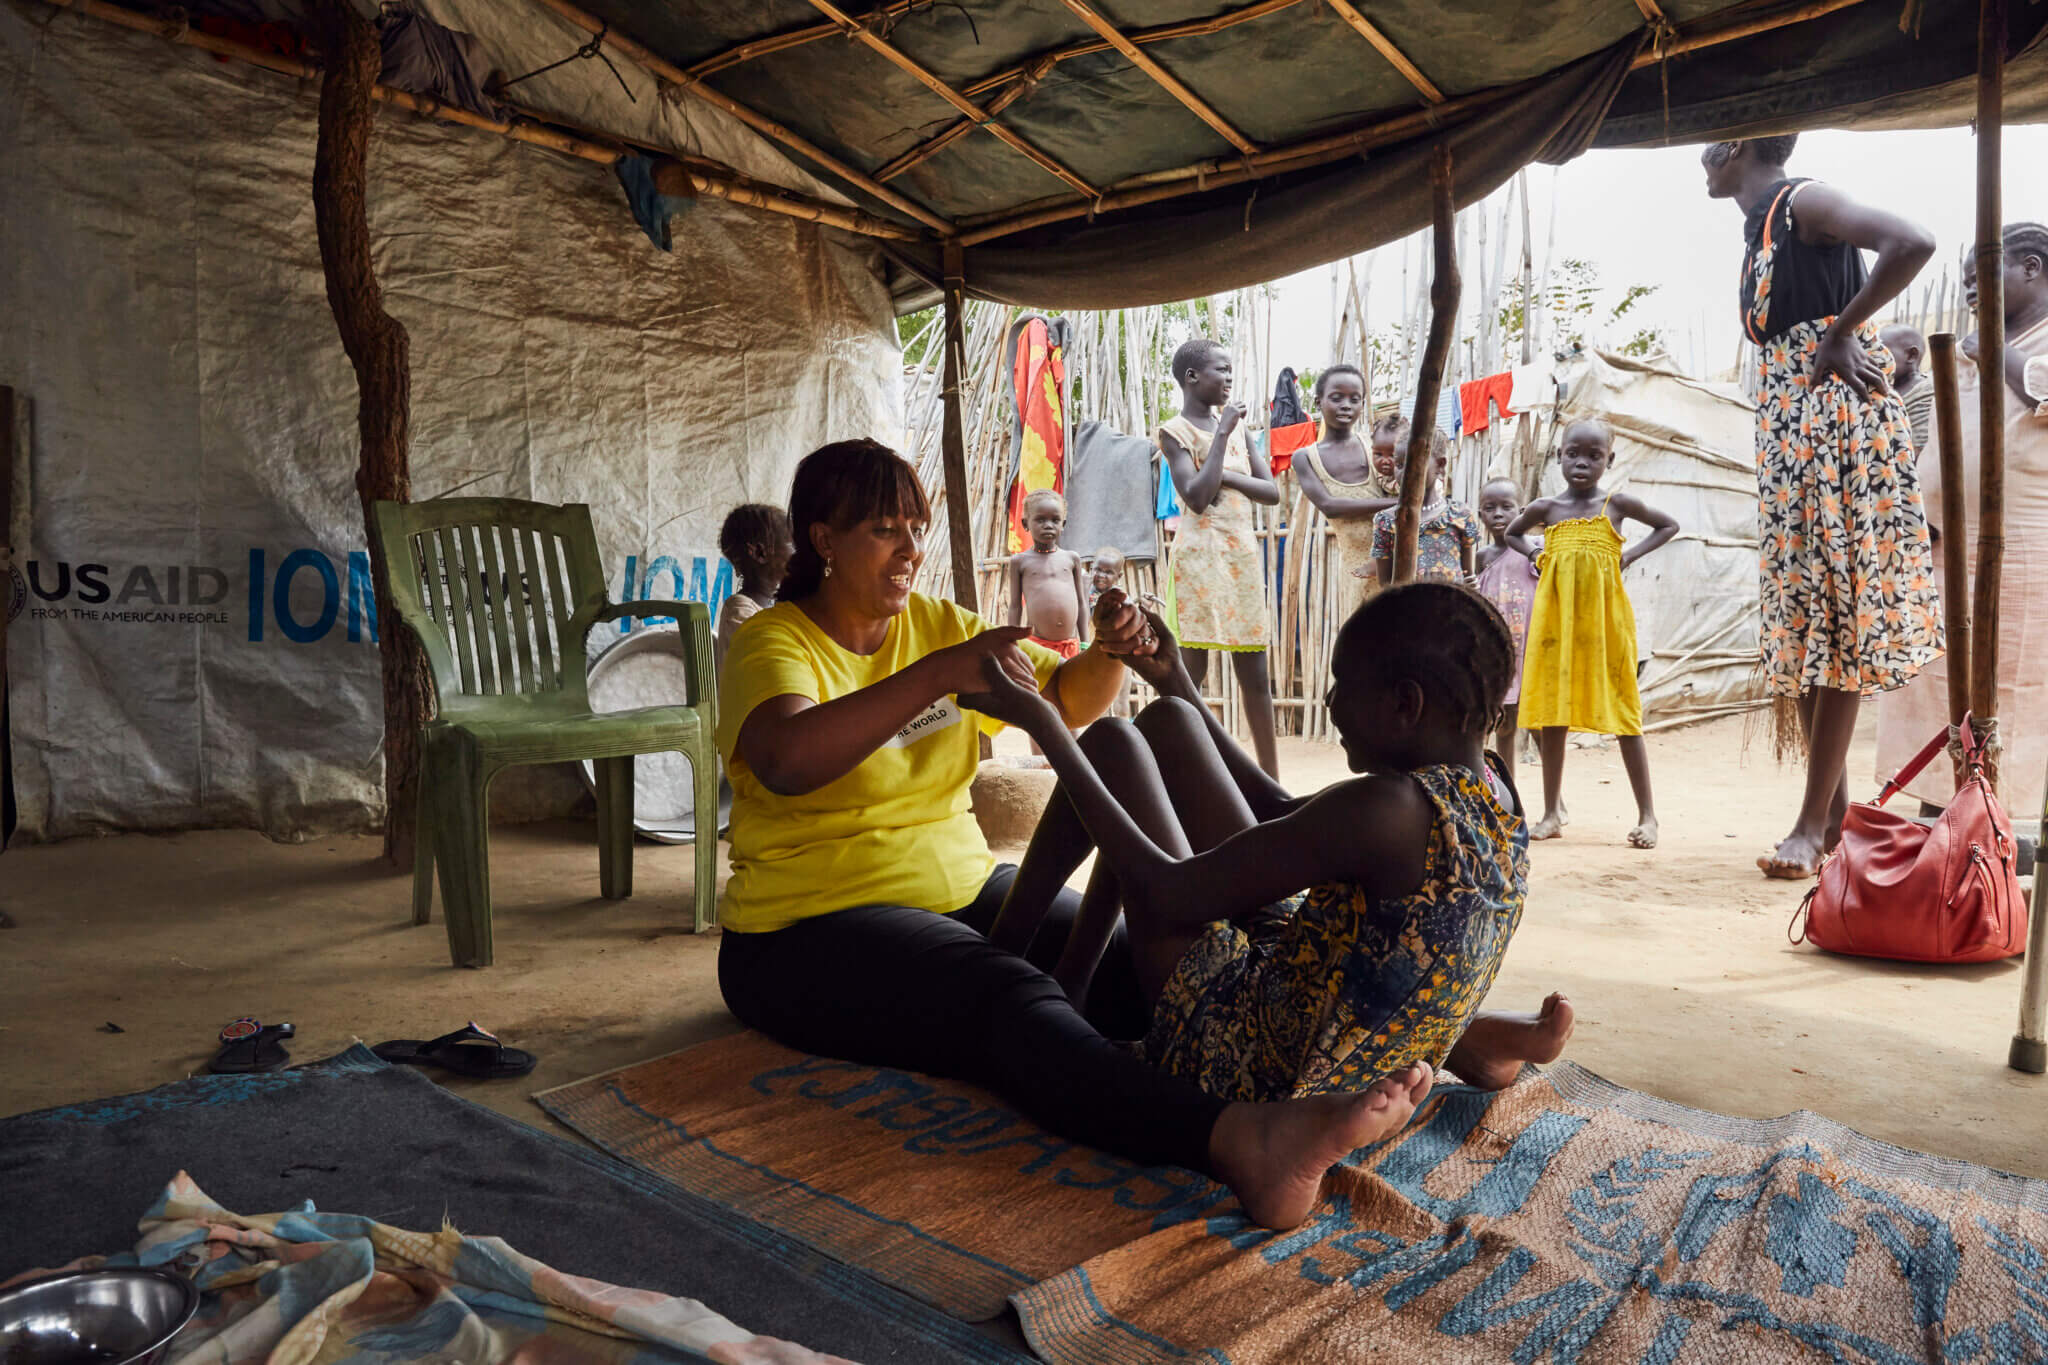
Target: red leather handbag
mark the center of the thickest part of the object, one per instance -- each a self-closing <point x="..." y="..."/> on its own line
<point x="1895" y="888"/>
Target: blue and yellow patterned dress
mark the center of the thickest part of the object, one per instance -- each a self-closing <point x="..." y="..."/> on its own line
<point x="1347" y="988"/>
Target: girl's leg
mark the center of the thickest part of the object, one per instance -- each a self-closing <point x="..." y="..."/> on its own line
<point x="1504" y="737"/>
<point x="1828" y="716"/>
<point x="887" y="986"/>
<point x="1635" y="756"/>
<point x="1196" y="661"/>
<point x="1256" y="686"/>
<point x="1550" y="742"/>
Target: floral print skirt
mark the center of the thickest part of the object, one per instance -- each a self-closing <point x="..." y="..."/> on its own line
<point x="1849" y="597"/>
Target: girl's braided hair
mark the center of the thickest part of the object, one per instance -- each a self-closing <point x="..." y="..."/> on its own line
<point x="1445" y="638"/>
<point x="748" y="525"/>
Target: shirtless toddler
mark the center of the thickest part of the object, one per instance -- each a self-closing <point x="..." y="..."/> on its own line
<point x="1046" y="587"/>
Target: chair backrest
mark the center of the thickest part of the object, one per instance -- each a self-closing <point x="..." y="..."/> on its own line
<point x="499" y="592"/>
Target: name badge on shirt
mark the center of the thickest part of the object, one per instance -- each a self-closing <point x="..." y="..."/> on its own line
<point x="940" y="715"/>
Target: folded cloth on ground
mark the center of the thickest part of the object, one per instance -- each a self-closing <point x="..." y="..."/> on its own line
<point x="340" y="1287"/>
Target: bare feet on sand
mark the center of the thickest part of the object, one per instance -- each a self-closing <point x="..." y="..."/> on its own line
<point x="1549" y="827"/>
<point x="1644" y="835"/>
<point x="1491" y="1052"/>
<point x="1794" y="860"/>
<point x="1273" y="1156"/>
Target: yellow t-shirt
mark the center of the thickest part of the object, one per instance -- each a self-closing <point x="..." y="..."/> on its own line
<point x="898" y="829"/>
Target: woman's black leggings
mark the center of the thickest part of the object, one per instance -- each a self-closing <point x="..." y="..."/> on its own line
<point x="887" y="985"/>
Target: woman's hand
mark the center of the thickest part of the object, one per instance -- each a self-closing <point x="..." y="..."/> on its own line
<point x="1002" y="695"/>
<point x="1227" y="418"/>
<point x="1157" y="659"/>
<point x="1119" y="627"/>
<point x="1843" y="356"/>
<point x="958" y="668"/>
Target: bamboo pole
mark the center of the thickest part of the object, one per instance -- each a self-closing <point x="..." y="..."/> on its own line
<point x="1443" y="321"/>
<point x="1990" y="368"/>
<point x="651" y="61"/>
<point x="960" y="521"/>
<point x="1369" y="31"/>
<point x="706" y="176"/>
<point x="1955" y="519"/>
<point x="946" y="137"/>
<point x="1163" y="78"/>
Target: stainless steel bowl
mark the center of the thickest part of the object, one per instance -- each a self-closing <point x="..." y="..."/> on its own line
<point x="108" y="1317"/>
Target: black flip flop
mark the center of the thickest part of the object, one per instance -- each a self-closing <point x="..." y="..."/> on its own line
<point x="248" y="1047"/>
<point x="469" y="1051"/>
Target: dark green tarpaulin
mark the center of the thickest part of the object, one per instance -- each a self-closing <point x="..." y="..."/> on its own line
<point x="1297" y="73"/>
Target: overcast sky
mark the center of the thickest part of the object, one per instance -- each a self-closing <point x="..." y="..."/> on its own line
<point x="1644" y="217"/>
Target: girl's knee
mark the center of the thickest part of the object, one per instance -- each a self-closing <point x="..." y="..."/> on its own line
<point x="1109" y="737"/>
<point x="1169" y="716"/>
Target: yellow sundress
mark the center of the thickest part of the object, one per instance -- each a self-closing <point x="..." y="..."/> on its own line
<point x="1579" y="665"/>
<point x="1218" y="571"/>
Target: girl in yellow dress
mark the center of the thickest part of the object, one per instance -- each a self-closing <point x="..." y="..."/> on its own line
<point x="1579" y="662"/>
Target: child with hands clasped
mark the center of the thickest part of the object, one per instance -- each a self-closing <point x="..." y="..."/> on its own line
<point x="1414" y="874"/>
<point x="1579" y="665"/>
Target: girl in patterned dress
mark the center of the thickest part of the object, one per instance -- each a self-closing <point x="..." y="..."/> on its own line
<point x="1507" y="578"/>
<point x="1396" y="892"/>
<point x="1218" y="570"/>
<point x="1447" y="541"/>
<point x="1850" y="606"/>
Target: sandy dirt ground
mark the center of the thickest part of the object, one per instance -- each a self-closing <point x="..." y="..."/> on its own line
<point x="1677" y="960"/>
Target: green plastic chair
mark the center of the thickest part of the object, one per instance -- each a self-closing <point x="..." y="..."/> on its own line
<point x="501" y="594"/>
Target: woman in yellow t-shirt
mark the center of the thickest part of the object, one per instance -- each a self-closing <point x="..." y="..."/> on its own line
<point x="862" y="891"/>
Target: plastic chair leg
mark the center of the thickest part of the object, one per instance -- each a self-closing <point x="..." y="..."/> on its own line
<point x="423" y="850"/>
<point x="615" y="827"/>
<point x="462" y="846"/>
<point x="704" y="892"/>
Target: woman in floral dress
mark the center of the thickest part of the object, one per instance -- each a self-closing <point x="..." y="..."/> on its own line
<point x="1850" y="607"/>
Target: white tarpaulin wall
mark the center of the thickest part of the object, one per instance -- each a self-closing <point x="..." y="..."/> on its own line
<point x="1688" y="448"/>
<point x="191" y="643"/>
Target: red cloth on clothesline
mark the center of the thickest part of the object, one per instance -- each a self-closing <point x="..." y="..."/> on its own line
<point x="1478" y="395"/>
<point x="1282" y="442"/>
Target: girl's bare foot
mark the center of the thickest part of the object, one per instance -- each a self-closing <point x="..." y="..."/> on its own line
<point x="1495" y="1045"/>
<point x="1273" y="1156"/>
<point x="1644" y="835"/>
<point x="1794" y="860"/>
<point x="1549" y="827"/>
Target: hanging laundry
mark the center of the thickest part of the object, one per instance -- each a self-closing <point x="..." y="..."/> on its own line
<point x="1110" y="498"/>
<point x="425" y="58"/>
<point x="1447" y="414"/>
<point x="1534" y="387"/>
<point x="1477" y="397"/>
<point x="656" y="190"/>
<point x="1288" y="424"/>
<point x="1036" y="351"/>
<point x="1167" y="507"/>
<point x="1286" y="410"/>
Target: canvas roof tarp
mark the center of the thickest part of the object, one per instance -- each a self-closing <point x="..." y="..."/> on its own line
<point x="1299" y="71"/>
<point x="1686" y="447"/>
<point x="190" y="642"/>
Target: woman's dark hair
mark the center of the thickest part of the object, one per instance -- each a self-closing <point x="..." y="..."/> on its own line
<point x="842" y="485"/>
<point x="1349" y="369"/>
<point x="748" y="526"/>
<point x="1774" y="151"/>
<point x="1445" y="638"/>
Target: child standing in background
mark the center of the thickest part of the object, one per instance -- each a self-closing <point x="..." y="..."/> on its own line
<point x="1449" y="542"/>
<point x="1507" y="578"/>
<point x="1045" y="588"/>
<point x="1105" y="573"/>
<point x="1338" y="476"/>
<point x="755" y="539"/>
<point x="1580" y="670"/>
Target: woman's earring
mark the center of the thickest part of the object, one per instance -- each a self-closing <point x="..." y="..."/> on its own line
<point x="828" y="568"/>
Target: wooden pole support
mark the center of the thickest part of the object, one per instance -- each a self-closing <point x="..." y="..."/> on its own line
<point x="1443" y="320"/>
<point x="953" y="429"/>
<point x="1990" y="370"/>
<point x="1955" y="522"/>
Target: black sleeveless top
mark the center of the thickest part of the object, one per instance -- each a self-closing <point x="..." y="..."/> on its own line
<point x="1807" y="282"/>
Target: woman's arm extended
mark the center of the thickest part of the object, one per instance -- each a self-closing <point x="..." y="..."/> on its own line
<point x="1662" y="526"/>
<point x="795" y="745"/>
<point x="1329" y="504"/>
<point x="1258" y="485"/>
<point x="1824" y="215"/>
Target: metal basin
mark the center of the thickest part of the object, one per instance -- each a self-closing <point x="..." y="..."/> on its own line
<point x="109" y="1317"/>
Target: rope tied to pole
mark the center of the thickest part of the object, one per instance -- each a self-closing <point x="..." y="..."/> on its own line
<point x="1983" y="732"/>
<point x="593" y="48"/>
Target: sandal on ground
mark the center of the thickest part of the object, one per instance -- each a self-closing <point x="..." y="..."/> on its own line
<point x="247" y="1047"/>
<point x="469" y="1051"/>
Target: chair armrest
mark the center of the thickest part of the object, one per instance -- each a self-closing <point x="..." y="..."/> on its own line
<point x="693" y="623"/>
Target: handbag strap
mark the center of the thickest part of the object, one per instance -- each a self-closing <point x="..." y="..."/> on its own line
<point x="1919" y="761"/>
